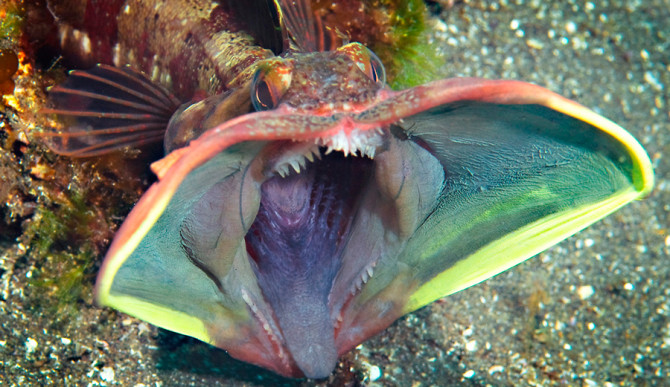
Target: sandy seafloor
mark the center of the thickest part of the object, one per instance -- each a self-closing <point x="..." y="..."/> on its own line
<point x="591" y="311"/>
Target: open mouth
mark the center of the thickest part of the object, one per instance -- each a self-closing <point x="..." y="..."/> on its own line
<point x="311" y="222"/>
<point x="309" y="211"/>
<point x="296" y="244"/>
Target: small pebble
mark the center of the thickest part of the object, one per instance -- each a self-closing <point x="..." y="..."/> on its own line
<point x="31" y="345"/>
<point x="374" y="373"/>
<point x="535" y="43"/>
<point x="496" y="368"/>
<point x="652" y="80"/>
<point x="585" y="292"/>
<point x="107" y="374"/>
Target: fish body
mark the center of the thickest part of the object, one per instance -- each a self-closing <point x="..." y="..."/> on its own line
<point x="185" y="46"/>
<point x="303" y="205"/>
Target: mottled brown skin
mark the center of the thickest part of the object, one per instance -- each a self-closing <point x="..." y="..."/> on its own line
<point x="367" y="22"/>
<point x="195" y="45"/>
<point x="326" y="82"/>
<point x="188" y="46"/>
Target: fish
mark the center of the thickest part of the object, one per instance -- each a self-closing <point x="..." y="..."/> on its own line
<point x="303" y="205"/>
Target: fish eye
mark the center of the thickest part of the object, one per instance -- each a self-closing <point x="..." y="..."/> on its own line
<point x="263" y="96"/>
<point x="367" y="62"/>
<point x="269" y="85"/>
<point x="377" y="72"/>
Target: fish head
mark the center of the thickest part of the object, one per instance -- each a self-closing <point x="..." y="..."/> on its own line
<point x="346" y="79"/>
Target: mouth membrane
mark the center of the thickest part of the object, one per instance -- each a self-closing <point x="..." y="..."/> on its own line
<point x="295" y="245"/>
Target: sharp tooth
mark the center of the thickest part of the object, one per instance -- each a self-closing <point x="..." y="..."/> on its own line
<point x="295" y="166"/>
<point x="310" y="156"/>
<point x="370" y="151"/>
<point x="329" y="150"/>
<point x="369" y="271"/>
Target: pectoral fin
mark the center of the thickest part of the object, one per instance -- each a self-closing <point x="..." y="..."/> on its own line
<point x="105" y="109"/>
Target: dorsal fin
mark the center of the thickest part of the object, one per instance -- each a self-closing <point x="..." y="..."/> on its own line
<point x="260" y="20"/>
<point x="303" y="29"/>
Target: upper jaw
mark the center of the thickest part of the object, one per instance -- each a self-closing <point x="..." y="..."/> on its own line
<point x="283" y="158"/>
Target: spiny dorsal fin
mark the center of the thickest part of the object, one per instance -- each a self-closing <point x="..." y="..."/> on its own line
<point x="303" y="29"/>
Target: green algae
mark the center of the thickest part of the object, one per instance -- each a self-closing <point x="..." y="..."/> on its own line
<point x="78" y="210"/>
<point x="67" y="212"/>
<point x="408" y="56"/>
<point x="395" y="30"/>
<point x="11" y="23"/>
<point x="60" y="244"/>
<point x="58" y="214"/>
<point x="62" y="283"/>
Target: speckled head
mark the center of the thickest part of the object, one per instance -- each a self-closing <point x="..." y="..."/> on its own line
<point x="343" y="80"/>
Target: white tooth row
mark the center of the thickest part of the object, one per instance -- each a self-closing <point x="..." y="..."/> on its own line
<point x="364" y="277"/>
<point x="297" y="161"/>
<point x="362" y="280"/>
<point x="266" y="325"/>
<point x="363" y="143"/>
<point x="357" y="143"/>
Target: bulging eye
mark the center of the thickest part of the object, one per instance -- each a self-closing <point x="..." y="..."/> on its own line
<point x="269" y="84"/>
<point x="367" y="62"/>
<point x="374" y="68"/>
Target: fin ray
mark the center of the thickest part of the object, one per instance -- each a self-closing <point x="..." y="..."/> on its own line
<point x="303" y="29"/>
<point x="105" y="109"/>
